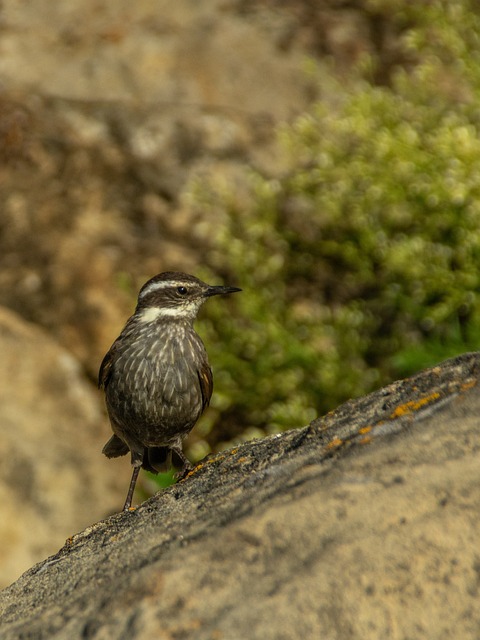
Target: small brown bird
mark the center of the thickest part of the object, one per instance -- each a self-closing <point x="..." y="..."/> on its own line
<point x="156" y="375"/>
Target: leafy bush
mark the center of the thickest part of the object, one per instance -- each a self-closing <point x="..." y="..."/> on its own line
<point x="361" y="262"/>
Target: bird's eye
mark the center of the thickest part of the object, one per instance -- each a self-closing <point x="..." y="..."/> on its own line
<point x="182" y="290"/>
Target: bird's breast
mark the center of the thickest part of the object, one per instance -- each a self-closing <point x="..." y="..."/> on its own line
<point x="155" y="380"/>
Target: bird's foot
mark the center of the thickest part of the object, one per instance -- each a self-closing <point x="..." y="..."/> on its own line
<point x="184" y="471"/>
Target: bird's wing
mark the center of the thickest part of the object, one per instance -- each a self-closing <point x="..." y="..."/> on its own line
<point x="205" y="378"/>
<point x="106" y="368"/>
<point x="107" y="363"/>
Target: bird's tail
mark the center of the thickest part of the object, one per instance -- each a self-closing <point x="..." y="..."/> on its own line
<point x="115" y="448"/>
<point x="157" y="459"/>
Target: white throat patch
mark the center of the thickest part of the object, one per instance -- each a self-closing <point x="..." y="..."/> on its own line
<point x="151" y="314"/>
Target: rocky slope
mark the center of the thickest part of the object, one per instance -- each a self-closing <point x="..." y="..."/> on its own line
<point x="362" y="525"/>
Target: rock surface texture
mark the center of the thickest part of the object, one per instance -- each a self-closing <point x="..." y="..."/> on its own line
<point x="51" y="436"/>
<point x="362" y="525"/>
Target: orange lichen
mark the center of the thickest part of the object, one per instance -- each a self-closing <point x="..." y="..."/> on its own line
<point x="365" y="429"/>
<point x="216" y="458"/>
<point x="413" y="405"/>
<point x="468" y="385"/>
<point x="196" y="468"/>
<point x="336" y="442"/>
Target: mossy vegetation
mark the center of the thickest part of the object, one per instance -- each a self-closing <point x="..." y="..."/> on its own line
<point x="360" y="263"/>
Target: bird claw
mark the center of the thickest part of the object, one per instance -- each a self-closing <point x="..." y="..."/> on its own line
<point x="184" y="471"/>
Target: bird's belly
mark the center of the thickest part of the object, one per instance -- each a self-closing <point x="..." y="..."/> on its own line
<point x="154" y="401"/>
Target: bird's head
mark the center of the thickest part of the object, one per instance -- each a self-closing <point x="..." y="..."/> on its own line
<point x="173" y="295"/>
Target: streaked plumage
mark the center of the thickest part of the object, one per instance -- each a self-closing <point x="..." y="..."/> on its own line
<point x="156" y="375"/>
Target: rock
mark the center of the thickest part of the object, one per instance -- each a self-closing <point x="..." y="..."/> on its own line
<point x="107" y="115"/>
<point x="53" y="478"/>
<point x="362" y="525"/>
<point x="220" y="54"/>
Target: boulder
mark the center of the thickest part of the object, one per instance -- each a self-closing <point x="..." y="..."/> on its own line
<point x="53" y="478"/>
<point x="363" y="524"/>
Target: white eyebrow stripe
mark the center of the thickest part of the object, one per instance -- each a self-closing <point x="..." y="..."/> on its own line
<point x="162" y="284"/>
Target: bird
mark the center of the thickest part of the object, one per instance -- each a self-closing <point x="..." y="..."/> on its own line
<point x="156" y="375"/>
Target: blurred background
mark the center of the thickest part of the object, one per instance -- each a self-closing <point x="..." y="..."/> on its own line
<point x="322" y="155"/>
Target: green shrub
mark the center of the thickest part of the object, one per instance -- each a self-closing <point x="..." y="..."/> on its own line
<point x="360" y="263"/>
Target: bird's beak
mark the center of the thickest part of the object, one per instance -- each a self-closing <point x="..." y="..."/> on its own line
<point x="219" y="290"/>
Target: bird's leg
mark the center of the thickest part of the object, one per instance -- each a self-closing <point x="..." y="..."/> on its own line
<point x="131" y="488"/>
<point x="186" y="464"/>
